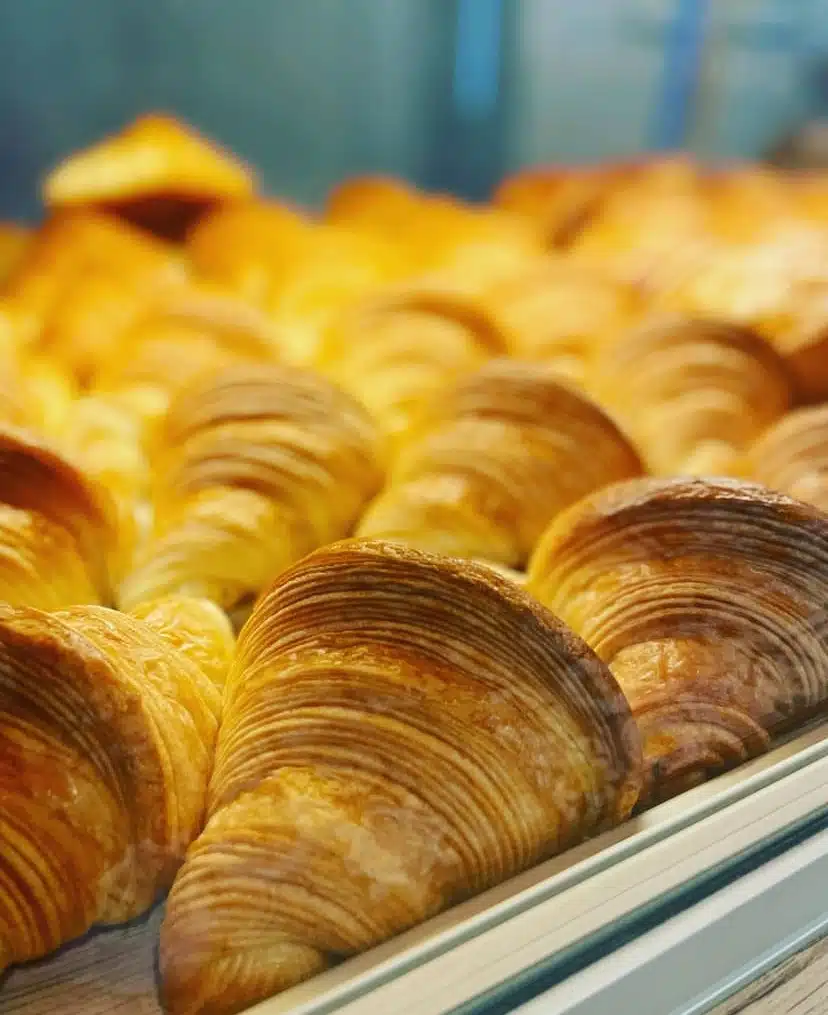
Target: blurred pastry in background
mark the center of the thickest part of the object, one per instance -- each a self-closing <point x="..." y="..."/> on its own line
<point x="157" y="173"/>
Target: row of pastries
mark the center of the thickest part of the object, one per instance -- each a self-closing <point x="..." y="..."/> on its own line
<point x="352" y="562"/>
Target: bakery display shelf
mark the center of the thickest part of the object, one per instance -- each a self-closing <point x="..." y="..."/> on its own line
<point x="564" y="919"/>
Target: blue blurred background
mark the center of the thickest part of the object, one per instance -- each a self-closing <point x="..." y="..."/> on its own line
<point x="449" y="93"/>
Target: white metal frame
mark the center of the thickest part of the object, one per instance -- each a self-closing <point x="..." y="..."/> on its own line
<point x="482" y="944"/>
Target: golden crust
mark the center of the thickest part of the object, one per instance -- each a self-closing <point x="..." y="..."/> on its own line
<point x="256" y="466"/>
<point x="693" y="394"/>
<point x="85" y="278"/>
<point x="706" y="599"/>
<point x="106" y="736"/>
<point x="243" y="244"/>
<point x="371" y="716"/>
<point x="493" y="459"/>
<point x="40" y="483"/>
<point x="559" y="200"/>
<point x="157" y="172"/>
<point x="560" y="312"/>
<point x="397" y="351"/>
<point x="792" y="456"/>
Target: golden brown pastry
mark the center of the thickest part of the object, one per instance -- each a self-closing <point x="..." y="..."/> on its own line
<point x="560" y="313"/>
<point x="83" y="281"/>
<point x="243" y="245"/>
<point x="331" y="270"/>
<point x="189" y="331"/>
<point x="798" y="328"/>
<point x="157" y="173"/>
<point x="792" y="456"/>
<point x="652" y="223"/>
<point x="368" y="774"/>
<point x="49" y="392"/>
<point x="257" y="465"/>
<point x="706" y="598"/>
<point x="693" y="394"/>
<point x="105" y="440"/>
<point x="558" y="200"/>
<point x="107" y="728"/>
<point x="58" y="531"/>
<point x="378" y="204"/>
<point x="437" y="231"/>
<point x="493" y="459"/>
<point x="394" y="352"/>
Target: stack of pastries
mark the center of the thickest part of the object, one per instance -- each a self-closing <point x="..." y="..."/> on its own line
<point x="353" y="561"/>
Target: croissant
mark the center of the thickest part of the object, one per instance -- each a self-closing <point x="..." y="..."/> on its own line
<point x="492" y="460"/>
<point x="84" y="280"/>
<point x="792" y="456"/>
<point x="560" y="312"/>
<point x="58" y="531"/>
<point x="652" y="223"/>
<point x="378" y="204"/>
<point x="107" y="729"/>
<point x="559" y="200"/>
<point x="257" y="466"/>
<point x="798" y="328"/>
<point x="105" y="440"/>
<point x="707" y="600"/>
<point x="394" y="352"/>
<point x="436" y="231"/>
<point x="193" y="330"/>
<point x="448" y="234"/>
<point x="331" y="270"/>
<point x="367" y="772"/>
<point x="69" y="250"/>
<point x="693" y="394"/>
<point x="157" y="173"/>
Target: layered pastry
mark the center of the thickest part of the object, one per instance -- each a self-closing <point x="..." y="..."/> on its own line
<point x="395" y="352"/>
<point x="493" y="459"/>
<point x="255" y="467"/>
<point x="84" y="278"/>
<point x="107" y="727"/>
<point x="157" y="173"/>
<point x="368" y="774"/>
<point x="792" y="456"/>
<point x="693" y="394"/>
<point x="59" y="536"/>
<point x="561" y="313"/>
<point x="706" y="598"/>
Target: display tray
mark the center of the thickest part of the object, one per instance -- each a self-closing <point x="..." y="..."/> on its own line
<point x="470" y="952"/>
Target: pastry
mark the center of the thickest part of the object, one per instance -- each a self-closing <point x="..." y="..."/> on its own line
<point x="368" y="774"/>
<point x="493" y="459"/>
<point x="397" y="351"/>
<point x="255" y="467"/>
<point x="706" y="598"/>
<point x="561" y="313"/>
<point x="58" y="530"/>
<point x="243" y="245"/>
<point x="106" y="739"/>
<point x="14" y="239"/>
<point x="559" y="200"/>
<point x="191" y="330"/>
<point x="693" y="394"/>
<point x="84" y="279"/>
<point x="792" y="456"/>
<point x="157" y="173"/>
